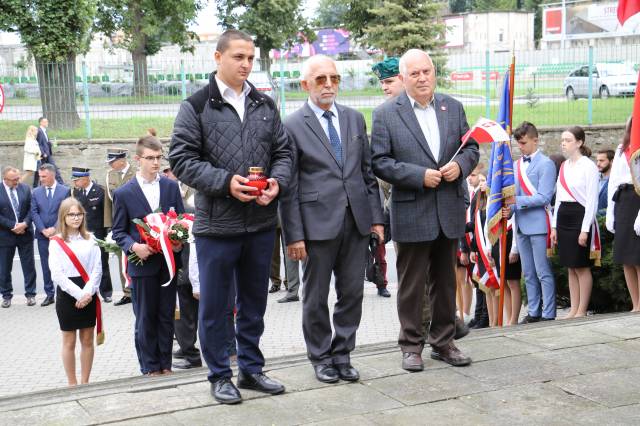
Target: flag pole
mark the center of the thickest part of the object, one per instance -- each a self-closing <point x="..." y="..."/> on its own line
<point x="503" y="234"/>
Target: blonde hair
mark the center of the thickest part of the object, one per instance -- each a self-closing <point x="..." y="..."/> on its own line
<point x="32" y="132"/>
<point x="62" y="227"/>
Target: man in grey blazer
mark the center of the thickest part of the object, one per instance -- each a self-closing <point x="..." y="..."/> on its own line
<point x="327" y="216"/>
<point x="414" y="136"/>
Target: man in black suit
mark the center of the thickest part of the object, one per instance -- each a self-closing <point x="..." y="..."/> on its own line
<point x="46" y="149"/>
<point x="91" y="196"/>
<point x="16" y="232"/>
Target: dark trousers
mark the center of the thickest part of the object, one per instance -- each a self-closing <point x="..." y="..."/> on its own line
<point x="106" y="288"/>
<point x="43" y="250"/>
<point x="274" y="271"/>
<point x="246" y="260"/>
<point x="345" y="256"/>
<point x="426" y="268"/>
<point x="481" y="313"/>
<point x="25" y="251"/>
<point x="187" y="325"/>
<point x="154" y="307"/>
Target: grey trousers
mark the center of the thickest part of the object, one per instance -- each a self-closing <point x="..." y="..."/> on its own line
<point x="345" y="256"/>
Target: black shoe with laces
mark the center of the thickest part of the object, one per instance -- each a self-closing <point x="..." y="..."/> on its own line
<point x="225" y="392"/>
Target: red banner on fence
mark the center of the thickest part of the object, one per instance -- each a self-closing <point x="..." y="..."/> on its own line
<point x="462" y="76"/>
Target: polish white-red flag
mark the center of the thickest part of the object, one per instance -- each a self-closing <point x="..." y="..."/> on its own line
<point x="626" y="9"/>
<point x="486" y="131"/>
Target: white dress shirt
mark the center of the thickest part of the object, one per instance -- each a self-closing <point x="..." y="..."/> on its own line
<point x="620" y="174"/>
<point x="15" y="191"/>
<point x="151" y="190"/>
<point x="125" y="170"/>
<point x="88" y="253"/>
<point x="525" y="164"/>
<point x="583" y="179"/>
<point x="194" y="273"/>
<point x="428" y="124"/>
<point x="235" y="100"/>
<point x="335" y="120"/>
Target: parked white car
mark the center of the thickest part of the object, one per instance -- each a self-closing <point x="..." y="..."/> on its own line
<point x="608" y="80"/>
<point x="264" y="84"/>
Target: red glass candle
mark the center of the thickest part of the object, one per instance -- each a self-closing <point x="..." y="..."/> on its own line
<point x="257" y="179"/>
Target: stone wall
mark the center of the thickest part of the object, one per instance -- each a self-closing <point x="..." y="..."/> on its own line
<point x="92" y="154"/>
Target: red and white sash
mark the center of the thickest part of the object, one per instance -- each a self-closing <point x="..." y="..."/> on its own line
<point x="595" y="248"/>
<point x="489" y="279"/>
<point x="530" y="190"/>
<point x="85" y="277"/>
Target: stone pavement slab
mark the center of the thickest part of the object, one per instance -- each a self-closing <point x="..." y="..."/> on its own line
<point x="514" y="380"/>
<point x="612" y="388"/>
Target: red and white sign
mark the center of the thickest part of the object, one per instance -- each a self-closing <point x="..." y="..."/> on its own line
<point x="493" y="75"/>
<point x="552" y="21"/>
<point x="1" y="98"/>
<point x="462" y="76"/>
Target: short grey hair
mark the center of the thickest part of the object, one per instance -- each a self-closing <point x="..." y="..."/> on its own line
<point x="306" y="66"/>
<point x="402" y="65"/>
<point x="7" y="169"/>
<point x="48" y="167"/>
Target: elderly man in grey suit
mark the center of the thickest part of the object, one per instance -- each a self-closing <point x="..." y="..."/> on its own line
<point x="414" y="136"/>
<point x="328" y="214"/>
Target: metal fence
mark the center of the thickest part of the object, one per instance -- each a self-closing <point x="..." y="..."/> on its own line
<point x="110" y="100"/>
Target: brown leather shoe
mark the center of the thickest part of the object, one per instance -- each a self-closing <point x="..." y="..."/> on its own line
<point x="450" y="354"/>
<point x="412" y="362"/>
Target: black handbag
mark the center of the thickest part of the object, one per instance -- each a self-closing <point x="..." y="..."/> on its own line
<point x="373" y="271"/>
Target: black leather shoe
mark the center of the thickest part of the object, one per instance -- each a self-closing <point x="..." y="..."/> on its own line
<point x="529" y="319"/>
<point x="6" y="303"/>
<point x="259" y="382"/>
<point x="274" y="288"/>
<point x="547" y="319"/>
<point x="287" y="299"/>
<point x="461" y="329"/>
<point x="225" y="392"/>
<point x="383" y="292"/>
<point x="326" y="373"/>
<point x="482" y="323"/>
<point x="347" y="373"/>
<point x="48" y="301"/>
<point x="183" y="364"/>
<point x="123" y="301"/>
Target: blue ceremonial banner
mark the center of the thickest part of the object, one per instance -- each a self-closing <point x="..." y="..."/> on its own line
<point x="500" y="178"/>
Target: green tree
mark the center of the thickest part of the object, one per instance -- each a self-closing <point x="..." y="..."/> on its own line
<point x="55" y="36"/>
<point x="331" y="14"/>
<point x="145" y="25"/>
<point x="494" y="5"/>
<point x="274" y="23"/>
<point x="400" y="25"/>
<point x="459" y="6"/>
<point x="358" y="16"/>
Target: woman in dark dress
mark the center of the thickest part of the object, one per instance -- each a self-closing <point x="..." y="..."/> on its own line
<point x="75" y="299"/>
<point x="623" y="218"/>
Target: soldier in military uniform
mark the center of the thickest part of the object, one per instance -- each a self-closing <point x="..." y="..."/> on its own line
<point x="91" y="196"/>
<point x="120" y="172"/>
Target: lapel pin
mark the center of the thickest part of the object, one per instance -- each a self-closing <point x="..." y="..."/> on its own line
<point x="443" y="108"/>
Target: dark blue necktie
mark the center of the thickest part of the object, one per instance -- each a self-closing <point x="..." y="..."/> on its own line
<point x="334" y="138"/>
<point x="526" y="158"/>
<point x="14" y="202"/>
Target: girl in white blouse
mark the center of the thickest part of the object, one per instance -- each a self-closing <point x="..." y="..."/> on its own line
<point x="76" y="301"/>
<point x="623" y="218"/>
<point x="32" y="155"/>
<point x="573" y="217"/>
